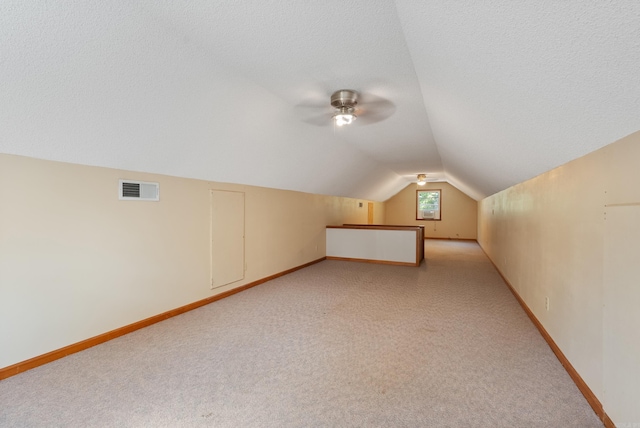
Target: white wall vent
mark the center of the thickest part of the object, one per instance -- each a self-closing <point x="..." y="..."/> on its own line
<point x="130" y="190"/>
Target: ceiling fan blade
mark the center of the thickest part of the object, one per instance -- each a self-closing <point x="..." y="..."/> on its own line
<point x="314" y="112"/>
<point x="374" y="109"/>
<point x="318" y="120"/>
<point x="374" y="102"/>
<point x="311" y="105"/>
<point x="370" y="118"/>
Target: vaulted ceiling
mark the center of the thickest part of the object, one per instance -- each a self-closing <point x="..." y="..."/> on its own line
<point x="482" y="94"/>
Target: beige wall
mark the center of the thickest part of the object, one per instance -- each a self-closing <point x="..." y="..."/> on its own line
<point x="572" y="235"/>
<point x="76" y="262"/>
<point x="459" y="212"/>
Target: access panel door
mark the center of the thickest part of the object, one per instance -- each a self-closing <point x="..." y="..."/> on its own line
<point x="227" y="237"/>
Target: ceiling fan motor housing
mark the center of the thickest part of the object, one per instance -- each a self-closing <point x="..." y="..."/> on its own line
<point x="344" y="98"/>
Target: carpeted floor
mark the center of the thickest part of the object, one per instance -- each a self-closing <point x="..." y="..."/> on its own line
<point x="338" y="344"/>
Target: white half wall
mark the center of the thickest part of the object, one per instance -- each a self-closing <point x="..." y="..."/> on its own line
<point x="372" y="244"/>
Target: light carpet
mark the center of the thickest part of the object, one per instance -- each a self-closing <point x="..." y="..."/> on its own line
<point x="337" y="344"/>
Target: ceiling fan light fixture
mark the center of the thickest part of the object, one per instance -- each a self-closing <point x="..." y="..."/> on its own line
<point x="422" y="179"/>
<point x="344" y="116"/>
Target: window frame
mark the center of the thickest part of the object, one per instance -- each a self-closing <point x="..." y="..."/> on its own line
<point x="439" y="215"/>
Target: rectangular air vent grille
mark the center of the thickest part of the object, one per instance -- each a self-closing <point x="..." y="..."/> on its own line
<point x="130" y="190"/>
<point x="138" y="191"/>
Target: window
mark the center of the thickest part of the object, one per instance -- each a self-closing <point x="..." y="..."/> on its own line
<point x="428" y="204"/>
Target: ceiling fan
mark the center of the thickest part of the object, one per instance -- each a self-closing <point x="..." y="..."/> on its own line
<point x="347" y="105"/>
<point x="344" y="101"/>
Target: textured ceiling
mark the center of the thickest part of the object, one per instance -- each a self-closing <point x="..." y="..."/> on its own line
<point x="482" y="94"/>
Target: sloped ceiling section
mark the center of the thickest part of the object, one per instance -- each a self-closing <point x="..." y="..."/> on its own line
<point x="480" y="94"/>
<point x="513" y="89"/>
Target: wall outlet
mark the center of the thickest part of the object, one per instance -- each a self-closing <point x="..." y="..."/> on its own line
<point x="546" y="303"/>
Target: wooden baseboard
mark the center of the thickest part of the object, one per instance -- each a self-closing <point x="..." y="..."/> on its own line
<point x="96" y="340"/>
<point x="593" y="401"/>
<point x="382" y="262"/>
<point x="608" y="423"/>
<point x="451" y="239"/>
